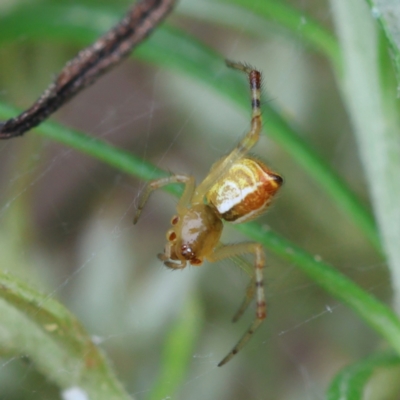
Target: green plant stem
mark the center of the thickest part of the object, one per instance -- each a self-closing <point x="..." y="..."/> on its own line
<point x="375" y="313"/>
<point x="49" y="334"/>
<point x="387" y="12"/>
<point x="351" y="381"/>
<point x="371" y="96"/>
<point x="178" y="350"/>
<point x="297" y="23"/>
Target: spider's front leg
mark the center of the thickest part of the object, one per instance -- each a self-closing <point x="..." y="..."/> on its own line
<point x="256" y="284"/>
<point x="166" y="259"/>
<point x="159" y="183"/>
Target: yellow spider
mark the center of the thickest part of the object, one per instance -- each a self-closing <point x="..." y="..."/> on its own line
<point x="238" y="189"/>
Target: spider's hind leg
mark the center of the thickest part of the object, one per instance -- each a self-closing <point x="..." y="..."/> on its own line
<point x="261" y="308"/>
<point x="250" y="293"/>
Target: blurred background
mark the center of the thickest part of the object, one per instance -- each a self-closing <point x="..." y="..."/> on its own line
<point x="66" y="219"/>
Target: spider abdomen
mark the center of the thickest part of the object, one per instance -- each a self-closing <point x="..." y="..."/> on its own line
<point x="245" y="191"/>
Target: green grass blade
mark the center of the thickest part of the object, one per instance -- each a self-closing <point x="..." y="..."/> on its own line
<point x="377" y="315"/>
<point x="387" y="12"/>
<point x="350" y="382"/>
<point x="301" y="26"/>
<point x="101" y="150"/>
<point x="176" y="50"/>
<point x="53" y="338"/>
<point x="371" y="95"/>
<point x="178" y="351"/>
<point x="373" y="312"/>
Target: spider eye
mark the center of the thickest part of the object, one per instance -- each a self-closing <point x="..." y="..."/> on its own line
<point x="171" y="235"/>
<point x="174" y="220"/>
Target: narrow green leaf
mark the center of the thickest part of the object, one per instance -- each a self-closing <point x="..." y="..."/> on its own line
<point x="350" y="382"/>
<point x="94" y="147"/>
<point x="178" y="351"/>
<point x="53" y="338"/>
<point x="372" y="102"/>
<point x="375" y="313"/>
<point x="300" y="25"/>
<point x="387" y="12"/>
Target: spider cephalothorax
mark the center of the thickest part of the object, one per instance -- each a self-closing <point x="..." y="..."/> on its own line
<point x="195" y="233"/>
<point x="237" y="189"/>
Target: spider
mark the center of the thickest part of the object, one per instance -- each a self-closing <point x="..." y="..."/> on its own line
<point x="237" y="189"/>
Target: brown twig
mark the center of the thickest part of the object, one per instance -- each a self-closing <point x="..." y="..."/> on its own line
<point x="90" y="63"/>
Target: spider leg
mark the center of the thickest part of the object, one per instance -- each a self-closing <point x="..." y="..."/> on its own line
<point x="253" y="135"/>
<point x="250" y="292"/>
<point x="159" y="183"/>
<point x="166" y="259"/>
<point x="261" y="313"/>
<point x="242" y="263"/>
<point x="247" y="143"/>
<point x="243" y="340"/>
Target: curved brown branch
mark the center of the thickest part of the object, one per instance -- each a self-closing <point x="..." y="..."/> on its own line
<point x="90" y="63"/>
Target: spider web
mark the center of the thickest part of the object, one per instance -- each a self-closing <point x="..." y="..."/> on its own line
<point x="66" y="221"/>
